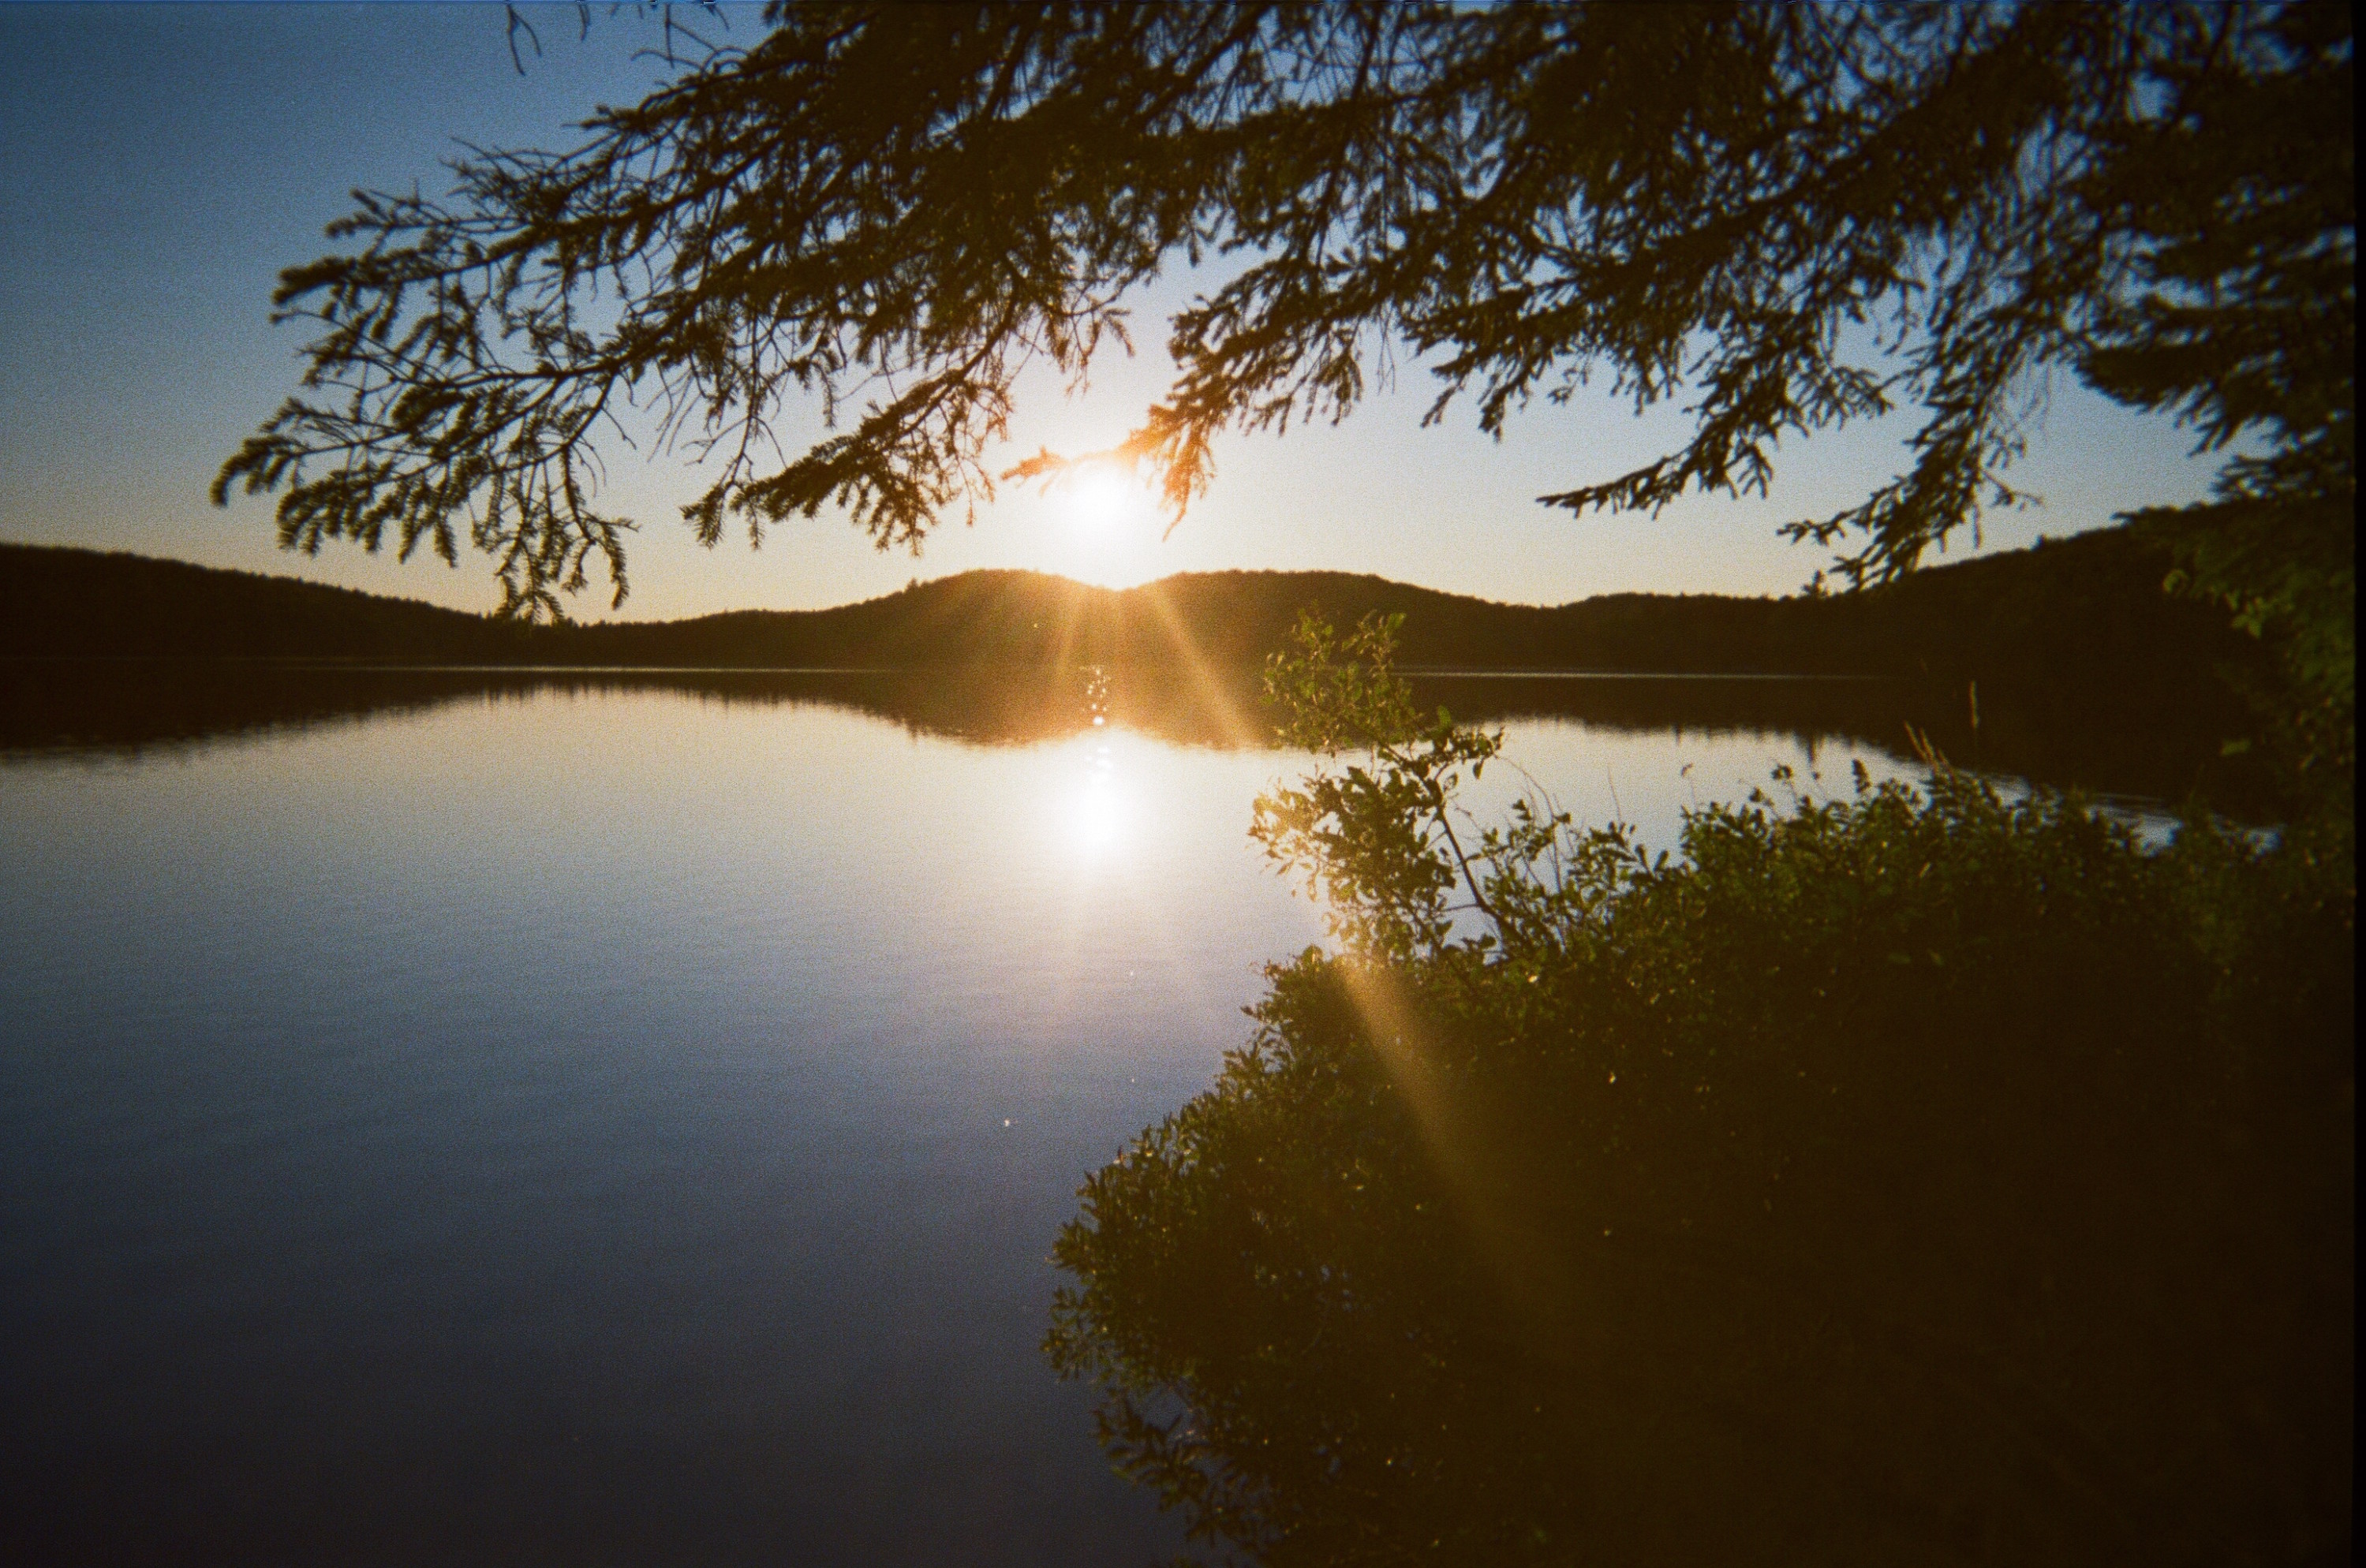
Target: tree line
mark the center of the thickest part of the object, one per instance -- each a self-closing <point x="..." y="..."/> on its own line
<point x="2085" y="612"/>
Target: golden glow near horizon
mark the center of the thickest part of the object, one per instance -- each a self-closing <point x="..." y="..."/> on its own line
<point x="1106" y="528"/>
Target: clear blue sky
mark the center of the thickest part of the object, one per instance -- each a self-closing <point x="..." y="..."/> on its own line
<point x="160" y="164"/>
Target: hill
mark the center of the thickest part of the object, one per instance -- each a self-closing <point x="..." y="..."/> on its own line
<point x="67" y="603"/>
<point x="2065" y="662"/>
<point x="2086" y="610"/>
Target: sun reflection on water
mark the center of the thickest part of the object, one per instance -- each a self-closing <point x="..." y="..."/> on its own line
<point x="1099" y="812"/>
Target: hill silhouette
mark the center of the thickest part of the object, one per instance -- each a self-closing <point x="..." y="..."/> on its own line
<point x="2086" y="610"/>
<point x="2064" y="663"/>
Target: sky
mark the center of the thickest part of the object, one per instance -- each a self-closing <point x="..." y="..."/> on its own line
<point x="160" y="164"/>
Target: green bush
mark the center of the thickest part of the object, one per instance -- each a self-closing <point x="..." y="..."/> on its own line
<point x="1906" y="1177"/>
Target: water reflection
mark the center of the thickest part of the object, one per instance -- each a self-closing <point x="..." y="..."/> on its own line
<point x="2060" y="737"/>
<point x="384" y="1165"/>
<point x="1098" y="812"/>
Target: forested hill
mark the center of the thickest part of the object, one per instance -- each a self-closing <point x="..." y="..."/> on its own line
<point x="79" y="603"/>
<point x="2088" y="609"/>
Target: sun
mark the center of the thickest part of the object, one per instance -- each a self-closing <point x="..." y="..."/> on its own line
<point x="1098" y="497"/>
<point x="1104" y="524"/>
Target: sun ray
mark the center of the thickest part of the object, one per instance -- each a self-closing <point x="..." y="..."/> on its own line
<point x="1501" y="1211"/>
<point x="1206" y="686"/>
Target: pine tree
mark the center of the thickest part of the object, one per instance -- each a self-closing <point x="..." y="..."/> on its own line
<point x="1792" y="216"/>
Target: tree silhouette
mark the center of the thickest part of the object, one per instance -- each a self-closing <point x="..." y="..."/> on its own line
<point x="1793" y="215"/>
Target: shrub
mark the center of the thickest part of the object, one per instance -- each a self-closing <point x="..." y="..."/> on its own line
<point x="1910" y="1176"/>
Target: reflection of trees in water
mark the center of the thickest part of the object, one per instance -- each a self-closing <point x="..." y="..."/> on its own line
<point x="2056" y="737"/>
<point x="2004" y="1268"/>
<point x="1909" y="1177"/>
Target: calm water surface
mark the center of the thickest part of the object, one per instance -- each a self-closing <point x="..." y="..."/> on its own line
<point x="627" y="1121"/>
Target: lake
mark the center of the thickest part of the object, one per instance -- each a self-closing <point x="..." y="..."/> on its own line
<point x="497" y="1116"/>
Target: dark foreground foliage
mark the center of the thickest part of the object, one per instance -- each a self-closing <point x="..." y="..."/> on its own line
<point x="1906" y="1177"/>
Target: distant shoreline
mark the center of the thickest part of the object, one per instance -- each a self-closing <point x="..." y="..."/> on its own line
<point x="402" y="666"/>
<point x="2080" y="629"/>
